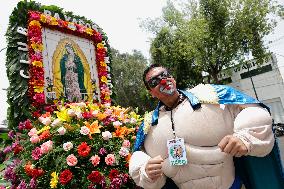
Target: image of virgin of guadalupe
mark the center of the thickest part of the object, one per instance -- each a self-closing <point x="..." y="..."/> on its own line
<point x="72" y="74"/>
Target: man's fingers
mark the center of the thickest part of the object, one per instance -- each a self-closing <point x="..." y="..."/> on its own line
<point x="222" y="144"/>
<point x="154" y="167"/>
<point x="229" y="147"/>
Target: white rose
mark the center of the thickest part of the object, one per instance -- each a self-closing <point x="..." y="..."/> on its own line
<point x="117" y="123"/>
<point x="56" y="122"/>
<point x="45" y="120"/>
<point x="84" y="130"/>
<point x="71" y="112"/>
<point x="106" y="135"/>
<point x="61" y="130"/>
<point x="67" y="146"/>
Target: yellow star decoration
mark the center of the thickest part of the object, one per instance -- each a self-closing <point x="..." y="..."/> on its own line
<point x="37" y="63"/>
<point x="37" y="47"/>
<point x="89" y="31"/>
<point x="38" y="89"/>
<point x="35" y="23"/>
<point x="43" y="18"/>
<point x="104" y="79"/>
<point x="100" y="46"/>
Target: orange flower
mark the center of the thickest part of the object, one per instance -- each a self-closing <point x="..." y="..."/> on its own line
<point x="94" y="127"/>
<point x="127" y="158"/>
<point x="101" y="116"/>
<point x="120" y="132"/>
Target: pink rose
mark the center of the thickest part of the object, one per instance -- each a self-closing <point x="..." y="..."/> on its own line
<point x="35" y="139"/>
<point x="95" y="160"/>
<point x="110" y="159"/>
<point x="46" y="147"/>
<point x="71" y="160"/>
<point x="32" y="132"/>
<point x="123" y="151"/>
<point x="126" y="144"/>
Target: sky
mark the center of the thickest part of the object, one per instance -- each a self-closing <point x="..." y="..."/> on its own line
<point x="119" y="20"/>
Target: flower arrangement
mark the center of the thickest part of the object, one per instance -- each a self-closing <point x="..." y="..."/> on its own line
<point x="73" y="145"/>
<point x="36" y="82"/>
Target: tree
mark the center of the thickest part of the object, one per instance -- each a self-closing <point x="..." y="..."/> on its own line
<point x="129" y="90"/>
<point x="209" y="35"/>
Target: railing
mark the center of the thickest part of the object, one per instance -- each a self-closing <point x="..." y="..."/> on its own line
<point x="52" y="95"/>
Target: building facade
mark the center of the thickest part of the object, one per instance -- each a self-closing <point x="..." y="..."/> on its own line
<point x="263" y="82"/>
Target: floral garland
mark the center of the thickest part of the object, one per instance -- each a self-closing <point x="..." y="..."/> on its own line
<point x="36" y="82"/>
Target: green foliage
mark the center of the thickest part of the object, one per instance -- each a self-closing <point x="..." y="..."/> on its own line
<point x="129" y="89"/>
<point x="209" y="35"/>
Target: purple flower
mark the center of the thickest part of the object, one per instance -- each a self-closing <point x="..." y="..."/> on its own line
<point x="8" y="149"/>
<point x="102" y="151"/>
<point x="33" y="183"/>
<point x="22" y="185"/>
<point x="9" y="174"/>
<point x="11" y="134"/>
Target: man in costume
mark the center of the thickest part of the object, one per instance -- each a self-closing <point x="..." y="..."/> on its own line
<point x="209" y="137"/>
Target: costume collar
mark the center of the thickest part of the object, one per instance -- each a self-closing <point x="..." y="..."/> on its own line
<point x="190" y="97"/>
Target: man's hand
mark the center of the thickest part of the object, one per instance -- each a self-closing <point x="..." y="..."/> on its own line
<point x="233" y="146"/>
<point x="154" y="167"/>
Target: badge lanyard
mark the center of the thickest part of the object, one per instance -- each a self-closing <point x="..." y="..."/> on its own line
<point x="176" y="148"/>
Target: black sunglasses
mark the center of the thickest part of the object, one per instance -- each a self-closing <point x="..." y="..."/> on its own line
<point x="154" y="81"/>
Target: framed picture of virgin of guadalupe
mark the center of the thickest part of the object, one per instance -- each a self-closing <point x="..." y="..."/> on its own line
<point x="73" y="58"/>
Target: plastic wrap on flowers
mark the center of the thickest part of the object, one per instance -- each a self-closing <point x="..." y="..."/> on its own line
<point x="75" y="145"/>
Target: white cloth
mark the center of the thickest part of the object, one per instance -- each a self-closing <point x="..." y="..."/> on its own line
<point x="202" y="130"/>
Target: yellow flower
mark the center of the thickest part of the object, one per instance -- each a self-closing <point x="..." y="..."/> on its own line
<point x="37" y="63"/>
<point x="63" y="115"/>
<point x="34" y="23"/>
<point x="43" y="18"/>
<point x="104" y="79"/>
<point x="54" y="180"/>
<point x="37" y="47"/>
<point x="103" y="64"/>
<point x="89" y="31"/>
<point x="45" y="128"/>
<point x="93" y="106"/>
<point x="100" y="46"/>
<point x="38" y="89"/>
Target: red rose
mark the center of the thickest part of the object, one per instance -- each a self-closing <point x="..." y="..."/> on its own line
<point x="18" y="149"/>
<point x="65" y="176"/>
<point x="113" y="174"/>
<point x="95" y="177"/>
<point x="84" y="149"/>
